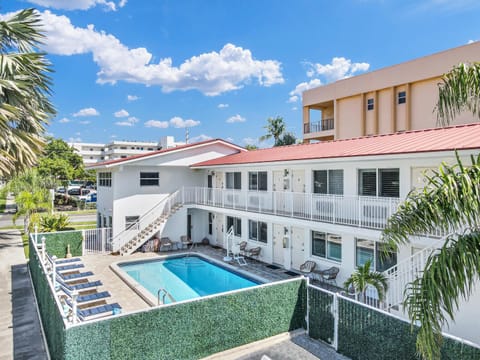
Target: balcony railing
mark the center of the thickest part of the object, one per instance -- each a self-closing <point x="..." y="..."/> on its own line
<point x="322" y="125"/>
<point x="358" y="211"/>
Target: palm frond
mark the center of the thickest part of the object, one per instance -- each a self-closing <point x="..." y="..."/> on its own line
<point x="459" y="91"/>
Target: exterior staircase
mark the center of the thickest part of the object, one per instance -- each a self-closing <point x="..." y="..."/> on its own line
<point x="400" y="275"/>
<point x="153" y="221"/>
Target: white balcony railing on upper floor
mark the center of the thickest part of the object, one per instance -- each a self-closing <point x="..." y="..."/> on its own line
<point x="359" y="211"/>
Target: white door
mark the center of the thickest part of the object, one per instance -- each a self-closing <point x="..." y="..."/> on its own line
<point x="219" y="229"/>
<point x="298" y="183"/>
<point x="281" y="185"/>
<point x="278" y="234"/>
<point x="298" y="247"/>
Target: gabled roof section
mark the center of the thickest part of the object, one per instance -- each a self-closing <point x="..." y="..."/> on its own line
<point x="462" y="137"/>
<point x="153" y="154"/>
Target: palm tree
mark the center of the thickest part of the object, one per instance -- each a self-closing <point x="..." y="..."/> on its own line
<point x="31" y="195"/>
<point x="363" y="277"/>
<point x="459" y="91"/>
<point x="24" y="92"/>
<point x="275" y="129"/>
<point x="450" y="202"/>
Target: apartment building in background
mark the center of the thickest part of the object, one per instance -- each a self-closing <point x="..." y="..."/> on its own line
<point x="397" y="98"/>
<point x="92" y="153"/>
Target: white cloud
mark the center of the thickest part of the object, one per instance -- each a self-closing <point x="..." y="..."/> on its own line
<point x="122" y="3"/>
<point x="296" y="93"/>
<point x="74" y="139"/>
<point x="64" y="120"/>
<point x="211" y="73"/>
<point x="132" y="97"/>
<point x="339" y="68"/>
<point x="156" y="124"/>
<point x="121" y="113"/>
<point x="131" y="121"/>
<point x="178" y="122"/>
<point x="294" y="108"/>
<point x="199" y="138"/>
<point x="84" y="122"/>
<point x="230" y="139"/>
<point x="251" y="141"/>
<point x="77" y="4"/>
<point x="235" y="119"/>
<point x="87" y="112"/>
<point x="222" y="106"/>
<point x="471" y="41"/>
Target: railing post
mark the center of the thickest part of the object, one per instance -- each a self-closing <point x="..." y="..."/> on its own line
<point x="54" y="270"/>
<point x="335" y="321"/>
<point x="44" y="248"/>
<point x="74" y="306"/>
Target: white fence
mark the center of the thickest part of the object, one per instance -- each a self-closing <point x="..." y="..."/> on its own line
<point x="361" y="211"/>
<point x="97" y="241"/>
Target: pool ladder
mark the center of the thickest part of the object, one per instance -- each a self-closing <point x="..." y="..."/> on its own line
<point x="165" y="294"/>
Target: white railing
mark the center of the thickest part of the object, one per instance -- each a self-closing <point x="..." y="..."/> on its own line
<point x="97" y="241"/>
<point x="360" y="211"/>
<point x="163" y="208"/>
<point x="406" y="271"/>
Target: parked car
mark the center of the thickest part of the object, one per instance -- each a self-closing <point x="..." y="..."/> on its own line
<point x="76" y="191"/>
<point x="61" y="190"/>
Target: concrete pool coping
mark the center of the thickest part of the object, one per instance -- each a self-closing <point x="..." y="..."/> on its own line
<point x="150" y="299"/>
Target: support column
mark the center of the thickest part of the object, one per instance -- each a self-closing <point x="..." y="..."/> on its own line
<point x="336" y="122"/>
<point x="375" y="113"/>
<point x="306" y="120"/>
<point x="393" y="110"/>
<point x="363" y="115"/>
<point x="408" y="120"/>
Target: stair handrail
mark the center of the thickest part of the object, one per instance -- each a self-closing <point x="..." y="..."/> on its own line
<point x="165" y="294"/>
<point x="404" y="272"/>
<point x="116" y="242"/>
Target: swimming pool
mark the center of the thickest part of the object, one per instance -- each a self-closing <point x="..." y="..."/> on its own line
<point x="185" y="277"/>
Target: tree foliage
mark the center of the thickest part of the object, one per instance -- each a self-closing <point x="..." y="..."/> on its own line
<point x="60" y="161"/>
<point x="276" y="130"/>
<point x="32" y="195"/>
<point x="25" y="89"/>
<point x="459" y="91"/>
<point x="450" y="202"/>
<point x="54" y="222"/>
<point x="363" y="277"/>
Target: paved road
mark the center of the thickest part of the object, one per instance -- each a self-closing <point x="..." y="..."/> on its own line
<point x="20" y="331"/>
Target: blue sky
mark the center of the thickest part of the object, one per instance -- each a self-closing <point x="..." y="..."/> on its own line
<point x="140" y="70"/>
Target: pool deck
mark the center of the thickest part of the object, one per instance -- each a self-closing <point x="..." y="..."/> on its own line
<point x="130" y="301"/>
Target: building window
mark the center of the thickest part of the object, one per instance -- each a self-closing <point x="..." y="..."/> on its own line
<point x="149" y="179"/>
<point x="370" y="104"/>
<point x="381" y="258"/>
<point x="328" y="246"/>
<point x="402" y="97"/>
<point x="328" y="182"/>
<point x="131" y="221"/>
<point x="257" y="231"/>
<point x="233" y="180"/>
<point x="237" y="225"/>
<point x="381" y="182"/>
<point x="210" y="223"/>
<point x="257" y="180"/>
<point x="105" y="179"/>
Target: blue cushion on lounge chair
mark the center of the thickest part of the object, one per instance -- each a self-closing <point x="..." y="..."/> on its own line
<point x="69" y="267"/>
<point x="75" y="276"/>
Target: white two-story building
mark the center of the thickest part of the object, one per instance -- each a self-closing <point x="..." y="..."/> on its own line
<point x="327" y="202"/>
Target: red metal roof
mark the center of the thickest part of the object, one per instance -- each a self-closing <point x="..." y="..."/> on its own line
<point x="462" y="137"/>
<point x="153" y="153"/>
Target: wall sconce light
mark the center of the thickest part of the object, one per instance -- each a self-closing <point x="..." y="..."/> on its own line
<point x="286" y="172"/>
<point x="285" y="230"/>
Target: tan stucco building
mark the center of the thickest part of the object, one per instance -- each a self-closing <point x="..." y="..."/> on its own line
<point x="397" y="98"/>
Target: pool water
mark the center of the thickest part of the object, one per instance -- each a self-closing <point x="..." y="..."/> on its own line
<point x="185" y="277"/>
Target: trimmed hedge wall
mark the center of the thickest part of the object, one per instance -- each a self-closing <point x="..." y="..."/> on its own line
<point x="365" y="333"/>
<point x="51" y="318"/>
<point x="321" y="320"/>
<point x="57" y="243"/>
<point x="195" y="329"/>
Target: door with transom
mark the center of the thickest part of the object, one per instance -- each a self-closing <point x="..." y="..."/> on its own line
<point x="278" y="250"/>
